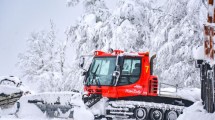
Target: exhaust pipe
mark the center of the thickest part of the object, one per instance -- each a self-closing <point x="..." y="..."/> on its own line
<point x="151" y="64"/>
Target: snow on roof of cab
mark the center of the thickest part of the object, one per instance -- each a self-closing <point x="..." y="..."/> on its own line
<point x="134" y="53"/>
<point x="130" y="54"/>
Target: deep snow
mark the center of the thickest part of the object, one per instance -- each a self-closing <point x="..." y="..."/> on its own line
<point x="196" y="112"/>
<point x="6" y="89"/>
<point x="81" y="112"/>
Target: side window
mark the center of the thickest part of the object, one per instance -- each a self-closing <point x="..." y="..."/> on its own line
<point x="130" y="71"/>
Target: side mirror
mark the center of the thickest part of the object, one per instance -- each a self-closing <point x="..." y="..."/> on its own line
<point x="84" y="73"/>
<point x="116" y="73"/>
<point x="81" y="62"/>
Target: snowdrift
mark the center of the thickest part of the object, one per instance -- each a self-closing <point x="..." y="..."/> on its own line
<point x="29" y="111"/>
<point x="196" y="112"/>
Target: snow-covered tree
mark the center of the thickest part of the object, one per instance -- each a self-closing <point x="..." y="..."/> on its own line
<point x="168" y="28"/>
<point x="174" y="38"/>
<point x="42" y="63"/>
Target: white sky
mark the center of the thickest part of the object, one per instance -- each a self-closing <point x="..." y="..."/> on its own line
<point x="18" y="18"/>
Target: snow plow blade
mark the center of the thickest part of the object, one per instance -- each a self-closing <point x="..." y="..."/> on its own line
<point x="53" y="110"/>
<point x="56" y="105"/>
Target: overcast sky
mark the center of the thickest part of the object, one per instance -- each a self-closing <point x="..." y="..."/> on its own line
<point x="18" y="18"/>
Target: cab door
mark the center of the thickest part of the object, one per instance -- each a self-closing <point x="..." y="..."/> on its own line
<point x="130" y="75"/>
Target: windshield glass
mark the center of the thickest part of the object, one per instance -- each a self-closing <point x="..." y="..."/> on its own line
<point x="101" y="71"/>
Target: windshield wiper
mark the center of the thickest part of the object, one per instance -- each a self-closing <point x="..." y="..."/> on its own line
<point x="94" y="76"/>
<point x="94" y="73"/>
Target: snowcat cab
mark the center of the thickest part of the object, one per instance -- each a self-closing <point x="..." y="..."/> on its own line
<point x="119" y="74"/>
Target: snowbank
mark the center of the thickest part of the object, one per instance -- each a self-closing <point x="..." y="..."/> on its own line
<point x="16" y="80"/>
<point x="196" y="112"/>
<point x="82" y="114"/>
<point x="6" y="89"/>
<point x="192" y="94"/>
<point x="29" y="110"/>
<point x="99" y="108"/>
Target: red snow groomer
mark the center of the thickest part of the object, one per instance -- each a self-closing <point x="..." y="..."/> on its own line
<point x="127" y="80"/>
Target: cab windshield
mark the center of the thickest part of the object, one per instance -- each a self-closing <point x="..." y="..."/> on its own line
<point x="101" y="71"/>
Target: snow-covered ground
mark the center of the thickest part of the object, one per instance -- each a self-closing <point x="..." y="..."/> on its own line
<point x="6" y="89"/>
<point x="29" y="111"/>
<point x="196" y="112"/>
